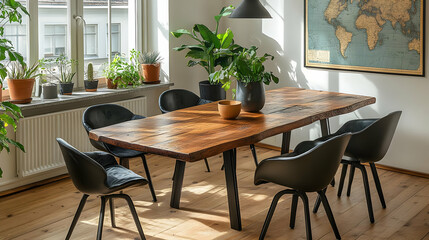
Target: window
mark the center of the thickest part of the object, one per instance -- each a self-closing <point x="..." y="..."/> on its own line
<point x="116" y="38"/>
<point x="55" y="40"/>
<point x="17" y="34"/>
<point x="91" y="40"/>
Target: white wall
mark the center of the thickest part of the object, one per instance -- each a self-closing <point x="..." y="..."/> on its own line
<point x="283" y="37"/>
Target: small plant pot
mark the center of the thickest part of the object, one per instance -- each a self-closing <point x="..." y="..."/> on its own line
<point x="20" y="90"/>
<point x="151" y="73"/>
<point x="91" y="86"/>
<point x="211" y="92"/>
<point x="111" y="85"/>
<point x="66" y="88"/>
<point x="229" y="109"/>
<point x="49" y="91"/>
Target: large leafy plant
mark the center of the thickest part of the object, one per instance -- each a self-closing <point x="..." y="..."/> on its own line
<point x="246" y="67"/>
<point x="212" y="49"/>
<point x="9" y="13"/>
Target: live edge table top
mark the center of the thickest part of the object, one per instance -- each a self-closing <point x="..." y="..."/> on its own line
<point x="198" y="132"/>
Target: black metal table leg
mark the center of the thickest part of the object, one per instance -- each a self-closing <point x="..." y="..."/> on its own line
<point x="229" y="159"/>
<point x="179" y="172"/>
<point x="286" y="142"/>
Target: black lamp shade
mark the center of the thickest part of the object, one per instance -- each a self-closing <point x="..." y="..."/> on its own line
<point x="250" y="9"/>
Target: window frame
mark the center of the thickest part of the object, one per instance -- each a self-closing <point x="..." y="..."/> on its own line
<point x="53" y="46"/>
<point x="85" y="41"/>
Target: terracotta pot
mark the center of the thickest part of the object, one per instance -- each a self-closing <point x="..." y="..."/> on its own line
<point x="110" y="84"/>
<point x="229" y="109"/>
<point x="1" y="94"/>
<point x="151" y="72"/>
<point x="20" y="90"/>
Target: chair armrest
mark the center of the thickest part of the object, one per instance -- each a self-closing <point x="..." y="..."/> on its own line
<point x="104" y="159"/>
<point x="136" y="117"/>
<point x="203" y="101"/>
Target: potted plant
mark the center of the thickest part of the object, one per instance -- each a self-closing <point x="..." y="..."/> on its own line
<point x="61" y="68"/>
<point x="122" y="73"/>
<point x="211" y="50"/>
<point x="91" y="84"/>
<point x="150" y="66"/>
<point x="249" y="71"/>
<point x="21" y="81"/>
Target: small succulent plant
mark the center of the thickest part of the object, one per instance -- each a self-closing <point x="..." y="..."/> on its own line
<point x="90" y="72"/>
<point x="150" y="58"/>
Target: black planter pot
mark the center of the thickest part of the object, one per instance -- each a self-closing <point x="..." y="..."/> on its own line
<point x="211" y="92"/>
<point x="91" y="86"/>
<point x="49" y="91"/>
<point x="251" y="96"/>
<point x="66" y="88"/>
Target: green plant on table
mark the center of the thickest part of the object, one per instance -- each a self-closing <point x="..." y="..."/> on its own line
<point x="124" y="73"/>
<point x="150" y="58"/>
<point x="10" y="116"/>
<point x="61" y="68"/>
<point x="212" y="49"/>
<point x="246" y="67"/>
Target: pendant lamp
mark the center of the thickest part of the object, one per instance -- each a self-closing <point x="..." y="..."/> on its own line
<point x="250" y="9"/>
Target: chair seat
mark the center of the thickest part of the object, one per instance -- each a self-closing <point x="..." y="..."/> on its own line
<point x="123" y="152"/>
<point x="119" y="177"/>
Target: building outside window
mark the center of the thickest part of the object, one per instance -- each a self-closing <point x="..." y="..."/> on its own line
<point x="17" y="34"/>
<point x="116" y="39"/>
<point x="55" y="40"/>
<point x="91" y="40"/>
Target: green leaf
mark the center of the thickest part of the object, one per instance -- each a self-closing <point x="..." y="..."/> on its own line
<point x="18" y="145"/>
<point x="227" y="38"/>
<point x="1" y="171"/>
<point x="225" y="11"/>
<point x="208" y="35"/>
<point x="197" y="54"/>
<point x="178" y="33"/>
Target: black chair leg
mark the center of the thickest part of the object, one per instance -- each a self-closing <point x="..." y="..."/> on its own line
<point x="271" y="212"/>
<point x="293" y="211"/>
<point x="367" y="192"/>
<point x="377" y="184"/>
<point x="342" y="178"/>
<point x="255" y="158"/>
<point x="318" y="201"/>
<point x="77" y="215"/>
<point x="135" y="216"/>
<point x="307" y="215"/>
<point x="329" y="213"/>
<point x="149" y="179"/>
<point x="207" y="164"/>
<point x="112" y="212"/>
<point x="351" y="176"/>
<point x="101" y="219"/>
<point x="333" y="182"/>
<point x="223" y="167"/>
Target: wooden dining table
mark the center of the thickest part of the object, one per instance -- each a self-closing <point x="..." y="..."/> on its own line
<point x="195" y="133"/>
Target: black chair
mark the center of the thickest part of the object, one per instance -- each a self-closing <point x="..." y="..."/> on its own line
<point x="176" y="99"/>
<point x="369" y="143"/>
<point x="310" y="168"/>
<point x="99" y="173"/>
<point x="103" y="115"/>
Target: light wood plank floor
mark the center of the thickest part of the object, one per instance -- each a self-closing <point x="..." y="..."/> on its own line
<point x="46" y="212"/>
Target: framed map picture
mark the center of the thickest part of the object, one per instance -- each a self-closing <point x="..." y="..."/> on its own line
<point x="383" y="36"/>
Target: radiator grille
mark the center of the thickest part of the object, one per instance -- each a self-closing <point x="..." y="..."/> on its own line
<point x="38" y="135"/>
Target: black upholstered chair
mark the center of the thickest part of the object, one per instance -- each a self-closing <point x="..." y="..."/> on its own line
<point x="98" y="173"/>
<point x="310" y="168"/>
<point x="103" y="115"/>
<point x="369" y="143"/>
<point x="176" y="99"/>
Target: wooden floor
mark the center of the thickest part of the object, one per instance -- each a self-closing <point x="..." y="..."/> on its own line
<point x="46" y="212"/>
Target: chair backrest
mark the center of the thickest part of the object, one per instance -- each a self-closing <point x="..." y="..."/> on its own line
<point x="87" y="175"/>
<point x="176" y="99"/>
<point x="371" y="144"/>
<point x="103" y="115"/>
<point x="310" y="171"/>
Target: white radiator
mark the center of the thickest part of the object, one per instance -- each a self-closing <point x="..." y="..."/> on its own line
<point x="38" y="135"/>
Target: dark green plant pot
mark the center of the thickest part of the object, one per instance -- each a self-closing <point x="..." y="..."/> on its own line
<point x="49" y="91"/>
<point x="251" y="96"/>
<point x="66" y="88"/>
<point x="91" y="86"/>
<point x="211" y="92"/>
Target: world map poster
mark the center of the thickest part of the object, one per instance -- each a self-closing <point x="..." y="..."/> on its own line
<point x="384" y="36"/>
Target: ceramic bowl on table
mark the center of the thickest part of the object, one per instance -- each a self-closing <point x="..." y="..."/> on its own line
<point x="229" y="109"/>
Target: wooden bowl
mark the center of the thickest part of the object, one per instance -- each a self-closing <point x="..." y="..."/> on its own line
<point x="229" y="109"/>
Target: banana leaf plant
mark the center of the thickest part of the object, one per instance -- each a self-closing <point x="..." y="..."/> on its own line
<point x="10" y="116"/>
<point x="211" y="49"/>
